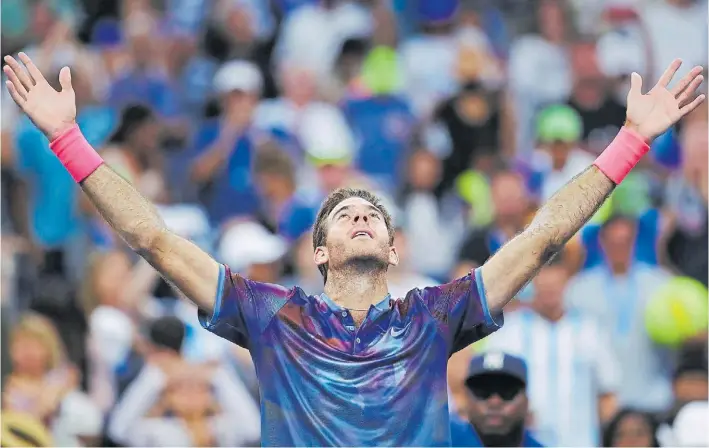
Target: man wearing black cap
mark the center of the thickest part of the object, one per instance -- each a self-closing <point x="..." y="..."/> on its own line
<point x="497" y="409"/>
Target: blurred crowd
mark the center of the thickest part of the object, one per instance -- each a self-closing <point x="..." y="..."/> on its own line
<point x="237" y="117"/>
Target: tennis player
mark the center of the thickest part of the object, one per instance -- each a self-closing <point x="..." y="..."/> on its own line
<point x="353" y="366"/>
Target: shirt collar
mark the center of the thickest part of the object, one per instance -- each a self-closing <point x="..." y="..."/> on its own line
<point x="381" y="306"/>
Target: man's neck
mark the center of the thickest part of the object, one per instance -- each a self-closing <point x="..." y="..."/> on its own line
<point x="620" y="269"/>
<point x="355" y="288"/>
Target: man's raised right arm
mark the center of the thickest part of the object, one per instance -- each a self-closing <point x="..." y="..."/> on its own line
<point x="136" y="220"/>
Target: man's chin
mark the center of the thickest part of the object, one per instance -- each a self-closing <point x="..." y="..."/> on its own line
<point x="367" y="262"/>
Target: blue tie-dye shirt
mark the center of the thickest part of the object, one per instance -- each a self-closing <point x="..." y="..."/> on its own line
<point x="325" y="382"/>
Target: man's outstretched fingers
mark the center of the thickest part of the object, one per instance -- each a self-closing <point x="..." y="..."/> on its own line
<point x="19" y="99"/>
<point x="16" y="84"/>
<point x="31" y="68"/>
<point x="20" y="72"/>
<point x="693" y="105"/>
<point x="669" y="73"/>
<point x="684" y="82"/>
<point x="688" y="93"/>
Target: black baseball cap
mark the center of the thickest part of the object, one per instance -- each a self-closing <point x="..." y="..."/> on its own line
<point x="497" y="363"/>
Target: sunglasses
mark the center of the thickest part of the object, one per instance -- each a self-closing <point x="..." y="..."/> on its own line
<point x="506" y="394"/>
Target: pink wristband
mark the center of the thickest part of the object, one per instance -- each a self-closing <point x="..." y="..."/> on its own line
<point x="76" y="154"/>
<point x="622" y="155"/>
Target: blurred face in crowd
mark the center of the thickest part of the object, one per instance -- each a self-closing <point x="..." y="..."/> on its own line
<point x="497" y="405"/>
<point x="617" y="241"/>
<point x="240" y="25"/>
<point x="298" y="83"/>
<point x="110" y="277"/>
<point x="357" y="237"/>
<point x="239" y="106"/>
<point x="549" y="287"/>
<point x="691" y="386"/>
<point x="509" y="198"/>
<point x="633" y="430"/>
<point x="559" y="152"/>
<point x="424" y="171"/>
<point x="145" y="138"/>
<point x="189" y="395"/>
<point x="333" y="175"/>
<point x="551" y="20"/>
<point x="30" y="355"/>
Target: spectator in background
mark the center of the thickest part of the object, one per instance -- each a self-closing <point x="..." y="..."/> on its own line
<point x="306" y="274"/>
<point x="384" y="125"/>
<point x="539" y="69"/>
<point x="602" y="112"/>
<point x="472" y="120"/>
<point x="285" y="210"/>
<point x="299" y="95"/>
<point x="428" y="83"/>
<point x="686" y="199"/>
<point x="250" y="249"/>
<point x="560" y="157"/>
<point x="686" y="20"/>
<point x="143" y="79"/>
<point x="573" y="373"/>
<point x="402" y="278"/>
<point x="630" y="428"/>
<point x="616" y="294"/>
<point x="41" y="377"/>
<point x="434" y="223"/>
<point x="314" y="33"/>
<point x="498" y="409"/>
<point x="192" y="407"/>
<point x="512" y="209"/>
<point x="224" y="148"/>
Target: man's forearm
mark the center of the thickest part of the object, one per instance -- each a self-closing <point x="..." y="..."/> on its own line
<point x="132" y="216"/>
<point x="554" y="224"/>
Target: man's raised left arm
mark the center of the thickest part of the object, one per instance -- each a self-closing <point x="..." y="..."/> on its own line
<point x="648" y="115"/>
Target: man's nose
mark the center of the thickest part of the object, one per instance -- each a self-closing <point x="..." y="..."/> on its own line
<point x="495" y="400"/>
<point x="362" y="216"/>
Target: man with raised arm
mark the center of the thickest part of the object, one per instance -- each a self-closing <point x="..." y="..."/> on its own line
<point x="353" y="366"/>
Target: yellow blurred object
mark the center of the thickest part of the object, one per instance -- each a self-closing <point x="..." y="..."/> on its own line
<point x="677" y="312"/>
<point x="23" y="430"/>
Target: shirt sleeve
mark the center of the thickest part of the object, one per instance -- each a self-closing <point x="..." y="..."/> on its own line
<point x="243" y="308"/>
<point x="460" y="307"/>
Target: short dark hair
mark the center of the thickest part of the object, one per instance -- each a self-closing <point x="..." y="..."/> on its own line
<point x="271" y="159"/>
<point x="167" y="332"/>
<point x="329" y="204"/>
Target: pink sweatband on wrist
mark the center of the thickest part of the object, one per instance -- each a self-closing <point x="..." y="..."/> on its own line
<point x="622" y="155"/>
<point x="76" y="154"/>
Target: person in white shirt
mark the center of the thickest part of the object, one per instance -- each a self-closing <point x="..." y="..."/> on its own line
<point x="559" y="159"/>
<point x="573" y="374"/>
<point x="615" y="295"/>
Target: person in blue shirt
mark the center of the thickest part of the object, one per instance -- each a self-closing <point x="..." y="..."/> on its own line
<point x="498" y="406"/>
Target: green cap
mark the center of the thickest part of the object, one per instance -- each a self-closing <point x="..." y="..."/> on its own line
<point x="559" y="123"/>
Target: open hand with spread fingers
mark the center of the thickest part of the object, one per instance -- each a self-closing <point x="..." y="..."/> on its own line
<point x="51" y="111"/>
<point x="653" y="113"/>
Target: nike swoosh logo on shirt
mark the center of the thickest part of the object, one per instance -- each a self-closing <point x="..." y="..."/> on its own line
<point x="396" y="332"/>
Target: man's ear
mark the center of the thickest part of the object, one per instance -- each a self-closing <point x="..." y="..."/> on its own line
<point x="321" y="256"/>
<point x="393" y="256"/>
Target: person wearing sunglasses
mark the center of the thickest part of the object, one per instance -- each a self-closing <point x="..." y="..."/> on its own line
<point x="497" y="408"/>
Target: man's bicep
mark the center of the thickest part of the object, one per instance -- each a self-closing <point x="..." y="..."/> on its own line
<point x="462" y="311"/>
